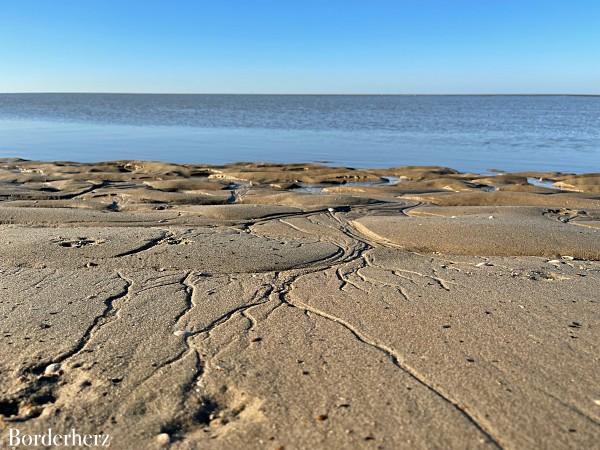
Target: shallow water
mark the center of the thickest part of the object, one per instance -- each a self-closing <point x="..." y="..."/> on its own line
<point x="469" y="133"/>
<point x="540" y="182"/>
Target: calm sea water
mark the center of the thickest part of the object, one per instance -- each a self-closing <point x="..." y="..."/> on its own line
<point x="471" y="133"/>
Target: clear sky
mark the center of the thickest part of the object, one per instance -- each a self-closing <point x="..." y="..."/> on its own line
<point x="300" y="46"/>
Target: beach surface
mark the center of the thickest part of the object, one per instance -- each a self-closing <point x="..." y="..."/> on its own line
<point x="265" y="306"/>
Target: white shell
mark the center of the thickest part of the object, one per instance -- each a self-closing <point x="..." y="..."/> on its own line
<point x="182" y="333"/>
<point x="163" y="439"/>
<point x="52" y="369"/>
<point x="484" y="263"/>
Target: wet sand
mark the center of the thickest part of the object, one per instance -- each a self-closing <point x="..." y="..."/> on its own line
<point x="300" y="306"/>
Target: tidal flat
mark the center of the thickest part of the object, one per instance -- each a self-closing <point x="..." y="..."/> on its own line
<point x="300" y="306"/>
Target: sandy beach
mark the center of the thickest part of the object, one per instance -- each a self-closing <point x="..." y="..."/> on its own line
<point x="297" y="306"/>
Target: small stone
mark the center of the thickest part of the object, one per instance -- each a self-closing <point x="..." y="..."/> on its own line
<point x="322" y="417"/>
<point x="91" y="264"/>
<point x="491" y="217"/>
<point x="163" y="439"/>
<point x="330" y="209"/>
<point x="597" y="401"/>
<point x="554" y="261"/>
<point x="484" y="263"/>
<point x="568" y="258"/>
<point x="256" y="339"/>
<point x="52" y="369"/>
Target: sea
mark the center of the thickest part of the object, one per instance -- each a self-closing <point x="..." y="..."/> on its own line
<point x="476" y="133"/>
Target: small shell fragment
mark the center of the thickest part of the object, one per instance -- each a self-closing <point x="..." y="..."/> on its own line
<point x="483" y="263"/>
<point x="52" y="369"/>
<point x="163" y="439"/>
<point x="182" y="333"/>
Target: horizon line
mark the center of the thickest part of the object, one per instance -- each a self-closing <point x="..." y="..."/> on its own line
<point x="562" y="94"/>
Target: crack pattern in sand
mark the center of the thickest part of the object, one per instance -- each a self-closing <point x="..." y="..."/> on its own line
<point x="225" y="308"/>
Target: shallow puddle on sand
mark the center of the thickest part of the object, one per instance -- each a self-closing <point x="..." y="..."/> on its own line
<point x="387" y="180"/>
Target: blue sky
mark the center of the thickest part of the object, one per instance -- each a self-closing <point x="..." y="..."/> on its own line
<point x="302" y="46"/>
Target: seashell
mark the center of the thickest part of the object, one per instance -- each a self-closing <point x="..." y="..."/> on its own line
<point x="163" y="439"/>
<point x="52" y="369"/>
<point x="182" y="333"/>
<point x="483" y="263"/>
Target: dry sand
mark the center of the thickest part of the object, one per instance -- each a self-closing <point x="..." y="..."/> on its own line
<point x="263" y="306"/>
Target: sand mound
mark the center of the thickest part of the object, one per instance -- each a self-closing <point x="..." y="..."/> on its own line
<point x="510" y="232"/>
<point x="220" y="251"/>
